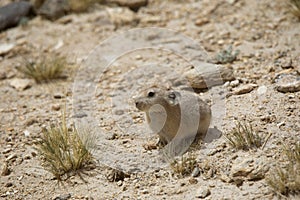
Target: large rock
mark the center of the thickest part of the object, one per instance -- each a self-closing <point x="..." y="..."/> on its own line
<point x="209" y="76"/>
<point x="54" y="9"/>
<point x="249" y="168"/>
<point x="11" y="14"/>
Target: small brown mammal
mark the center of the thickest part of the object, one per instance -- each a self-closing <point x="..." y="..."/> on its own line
<point x="172" y="114"/>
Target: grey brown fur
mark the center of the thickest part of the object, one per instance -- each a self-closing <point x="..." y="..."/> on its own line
<point x="175" y="115"/>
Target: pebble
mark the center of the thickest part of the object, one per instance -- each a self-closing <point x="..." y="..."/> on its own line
<point x="8" y="184"/>
<point x="2" y="75"/>
<point x="58" y="96"/>
<point x="234" y="83"/>
<point x="26" y="133"/>
<point x="31" y="121"/>
<point x="55" y="107"/>
<point x="287" y="83"/>
<point x="53" y="9"/>
<point x="4" y="169"/>
<point x="203" y="192"/>
<point x="195" y="172"/>
<point x="63" y="197"/>
<point x="201" y="21"/>
<point x="5" y="151"/>
<point x="262" y="90"/>
<point x="20" y="84"/>
<point x="6" y="48"/>
<point x="193" y="181"/>
<point x="120" y="183"/>
<point x="244" y="89"/>
<point x="11" y="157"/>
<point x="80" y="115"/>
<point x="134" y="5"/>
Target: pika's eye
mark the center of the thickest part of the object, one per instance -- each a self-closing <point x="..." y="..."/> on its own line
<point x="151" y="94"/>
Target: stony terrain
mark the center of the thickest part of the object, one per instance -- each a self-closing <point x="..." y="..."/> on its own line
<point x="101" y="81"/>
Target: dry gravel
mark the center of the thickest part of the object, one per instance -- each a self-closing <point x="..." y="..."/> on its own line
<point x="268" y="38"/>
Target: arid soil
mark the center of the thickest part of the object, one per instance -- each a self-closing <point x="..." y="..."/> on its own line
<point x="264" y="32"/>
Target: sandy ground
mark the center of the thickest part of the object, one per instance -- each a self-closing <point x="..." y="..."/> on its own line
<point x="109" y="65"/>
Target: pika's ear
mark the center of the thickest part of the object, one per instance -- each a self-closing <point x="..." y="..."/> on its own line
<point x="173" y="97"/>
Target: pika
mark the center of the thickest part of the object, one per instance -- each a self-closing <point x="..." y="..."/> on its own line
<point x="175" y="114"/>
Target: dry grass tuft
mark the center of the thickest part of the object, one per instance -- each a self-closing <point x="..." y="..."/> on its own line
<point x="295" y="7"/>
<point x="287" y="181"/>
<point x="45" y="70"/>
<point x="63" y="151"/>
<point x="185" y="165"/>
<point x="243" y="137"/>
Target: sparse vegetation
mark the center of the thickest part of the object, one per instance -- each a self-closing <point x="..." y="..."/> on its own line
<point x="45" y="70"/>
<point x="184" y="165"/>
<point x="287" y="181"/>
<point x="243" y="137"/>
<point x="226" y="56"/>
<point x="295" y="7"/>
<point x="63" y="151"/>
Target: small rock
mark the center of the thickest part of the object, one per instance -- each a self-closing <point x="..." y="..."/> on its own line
<point x="231" y="1"/>
<point x="54" y="9"/>
<point x="20" y="84"/>
<point x="287" y="83"/>
<point x="193" y="181"/>
<point x="63" y="197"/>
<point x="4" y="169"/>
<point x="58" y="96"/>
<point x="27" y="157"/>
<point x="55" y="107"/>
<point x="202" y="192"/>
<point x="119" y="112"/>
<point x="268" y="118"/>
<point x="201" y="21"/>
<point x="11" y="157"/>
<point x="114" y="175"/>
<point x="195" y="172"/>
<point x="5" y="151"/>
<point x="287" y="63"/>
<point x="120" y="183"/>
<point x="26" y="133"/>
<point x="145" y="191"/>
<point x="6" y="48"/>
<point x="244" y="89"/>
<point x="3" y="75"/>
<point x="122" y="16"/>
<point x="261" y="90"/>
<point x="234" y="83"/>
<point x="242" y="167"/>
<point x="150" y="146"/>
<point x="132" y="4"/>
<point x="225" y="178"/>
<point x="8" y="184"/>
<point x="112" y="136"/>
<point x="80" y="115"/>
<point x="31" y="121"/>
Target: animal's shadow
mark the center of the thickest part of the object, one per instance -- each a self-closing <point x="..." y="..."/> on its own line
<point x="212" y="134"/>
